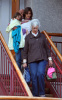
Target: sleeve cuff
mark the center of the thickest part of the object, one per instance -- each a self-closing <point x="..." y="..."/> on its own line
<point x="24" y="60"/>
<point x="49" y="58"/>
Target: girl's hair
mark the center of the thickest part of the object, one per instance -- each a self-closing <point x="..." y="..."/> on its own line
<point x="17" y="14"/>
<point x="26" y="10"/>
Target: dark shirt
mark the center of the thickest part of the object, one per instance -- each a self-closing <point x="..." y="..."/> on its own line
<point x="36" y="48"/>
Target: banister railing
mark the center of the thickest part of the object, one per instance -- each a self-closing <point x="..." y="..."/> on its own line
<point x="55" y="34"/>
<point x="10" y="74"/>
<point x="27" y="98"/>
<point x="53" y="46"/>
<point x="56" y="85"/>
<point x="58" y="35"/>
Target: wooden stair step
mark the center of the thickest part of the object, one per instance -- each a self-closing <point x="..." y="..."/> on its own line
<point x="47" y="90"/>
<point x="49" y="95"/>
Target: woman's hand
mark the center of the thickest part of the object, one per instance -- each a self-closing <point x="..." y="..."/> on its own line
<point x="50" y="63"/>
<point x="25" y="65"/>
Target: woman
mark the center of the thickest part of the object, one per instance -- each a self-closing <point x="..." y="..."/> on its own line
<point x="26" y="23"/>
<point x="36" y="53"/>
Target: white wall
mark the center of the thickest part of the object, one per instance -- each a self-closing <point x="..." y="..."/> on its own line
<point x="28" y="3"/>
<point x="0" y="12"/>
<point x="21" y="4"/>
<point x="5" y="16"/>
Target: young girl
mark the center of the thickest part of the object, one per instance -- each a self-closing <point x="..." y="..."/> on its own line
<point x="16" y="39"/>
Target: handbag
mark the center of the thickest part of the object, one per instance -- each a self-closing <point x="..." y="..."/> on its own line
<point x="51" y="74"/>
<point x="26" y="75"/>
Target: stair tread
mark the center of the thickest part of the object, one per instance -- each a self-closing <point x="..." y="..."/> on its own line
<point x="49" y="95"/>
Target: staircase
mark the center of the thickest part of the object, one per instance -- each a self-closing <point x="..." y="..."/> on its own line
<point x="47" y="90"/>
<point x="11" y="79"/>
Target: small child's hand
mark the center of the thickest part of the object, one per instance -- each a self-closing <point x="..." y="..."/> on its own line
<point x="14" y="28"/>
<point x="26" y="32"/>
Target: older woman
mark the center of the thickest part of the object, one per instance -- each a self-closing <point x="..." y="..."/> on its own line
<point x="36" y="53"/>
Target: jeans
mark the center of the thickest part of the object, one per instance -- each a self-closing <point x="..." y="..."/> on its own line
<point x="18" y="58"/>
<point x="37" y="70"/>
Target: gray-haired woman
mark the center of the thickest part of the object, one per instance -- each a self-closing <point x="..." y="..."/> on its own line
<point x="36" y="53"/>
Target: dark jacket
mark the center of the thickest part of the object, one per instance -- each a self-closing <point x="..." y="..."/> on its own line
<point x="36" y="48"/>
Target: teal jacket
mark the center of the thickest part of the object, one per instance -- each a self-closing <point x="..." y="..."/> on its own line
<point x="16" y="38"/>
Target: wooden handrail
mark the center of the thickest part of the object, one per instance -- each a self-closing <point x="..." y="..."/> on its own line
<point x="27" y="98"/>
<point x="52" y="44"/>
<point x="55" y="34"/>
<point x="15" y="66"/>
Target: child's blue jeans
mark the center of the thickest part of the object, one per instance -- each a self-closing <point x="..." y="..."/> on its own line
<point x="18" y="58"/>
